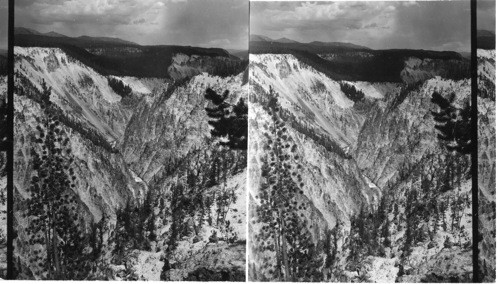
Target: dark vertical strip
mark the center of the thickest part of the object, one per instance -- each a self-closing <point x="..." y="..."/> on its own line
<point x="10" y="147"/>
<point x="474" y="167"/>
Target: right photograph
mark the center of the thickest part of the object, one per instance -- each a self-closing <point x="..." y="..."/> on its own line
<point x="359" y="151"/>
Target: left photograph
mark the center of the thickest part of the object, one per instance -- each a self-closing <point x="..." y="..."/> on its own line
<point x="130" y="136"/>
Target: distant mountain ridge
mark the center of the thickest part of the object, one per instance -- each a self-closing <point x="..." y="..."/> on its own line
<point x="284" y="40"/>
<point x="25" y="35"/>
<point x="26" y="31"/>
<point x="254" y="37"/>
<point x="240" y="53"/>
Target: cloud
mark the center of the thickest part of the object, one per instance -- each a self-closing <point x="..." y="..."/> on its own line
<point x="139" y="21"/>
<point x="326" y="21"/>
<point x="486" y="15"/>
<point x="377" y="24"/>
<point x="217" y="42"/>
<point x="112" y="12"/>
<point x="372" y="25"/>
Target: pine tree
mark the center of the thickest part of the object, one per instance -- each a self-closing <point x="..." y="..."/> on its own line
<point x="177" y="204"/>
<point x="148" y="217"/>
<point x="454" y="124"/>
<point x="228" y="121"/>
<point x="122" y="232"/>
<point x="119" y="87"/>
<point x="284" y="231"/>
<point x="411" y="220"/>
<point x="351" y="92"/>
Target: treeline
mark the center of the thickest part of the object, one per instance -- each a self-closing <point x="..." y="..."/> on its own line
<point x="119" y="87"/>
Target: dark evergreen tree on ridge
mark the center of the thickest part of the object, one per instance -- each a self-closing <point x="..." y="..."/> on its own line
<point x="351" y="92"/>
<point x="228" y="121"/>
<point x="119" y="87"/>
<point x="454" y="124"/>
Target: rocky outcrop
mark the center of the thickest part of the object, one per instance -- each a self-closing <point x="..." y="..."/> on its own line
<point x="76" y="88"/>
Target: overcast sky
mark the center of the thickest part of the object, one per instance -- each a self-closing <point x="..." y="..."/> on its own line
<point x="441" y="25"/>
<point x="3" y="23"/>
<point x="207" y="23"/>
<point x="486" y="15"/>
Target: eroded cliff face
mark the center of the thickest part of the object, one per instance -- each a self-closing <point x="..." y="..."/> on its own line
<point x="400" y="129"/>
<point x="76" y="88"/>
<point x="384" y="141"/>
<point x="421" y="69"/>
<point x="176" y="124"/>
